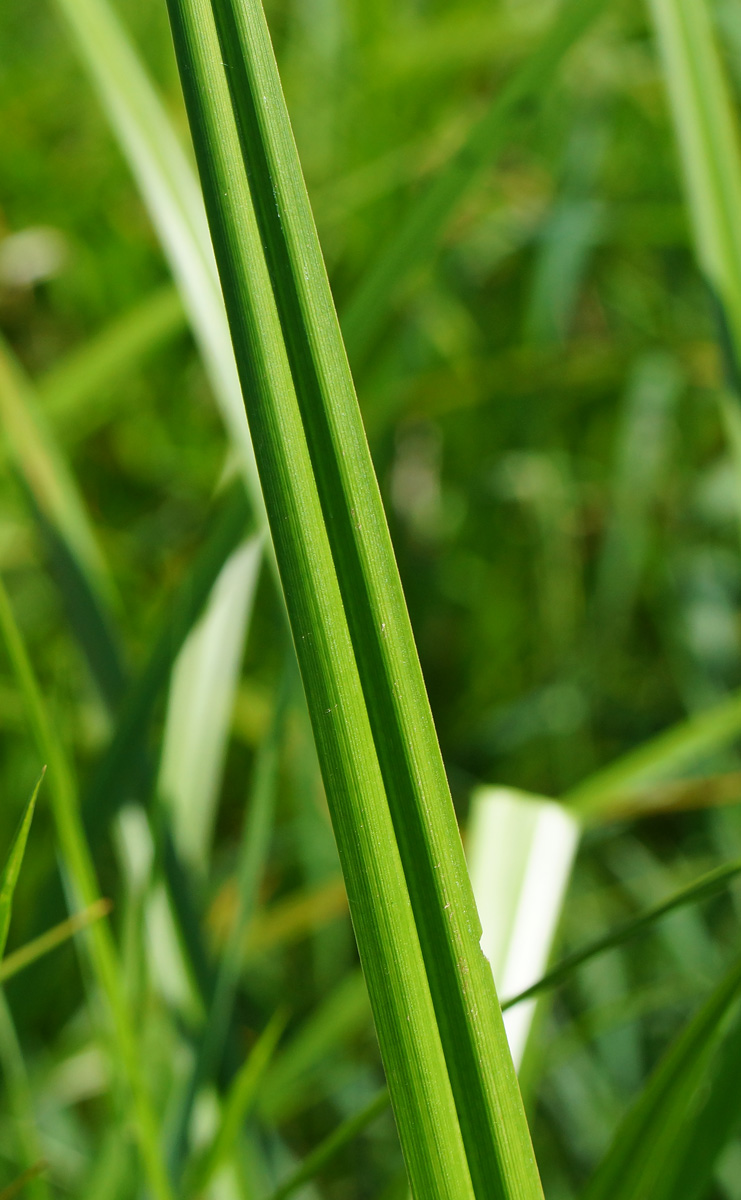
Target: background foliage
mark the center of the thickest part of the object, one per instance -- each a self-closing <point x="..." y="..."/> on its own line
<point x="541" y="400"/>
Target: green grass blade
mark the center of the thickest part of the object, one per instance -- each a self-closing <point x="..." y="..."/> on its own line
<point x="45" y="472"/>
<point x="646" y="1141"/>
<point x="76" y="856"/>
<point x="253" y="853"/>
<point x="644" y="440"/>
<point x="21" y="1183"/>
<point x="46" y="942"/>
<point x="88" y="618"/>
<point x="20" y="1098"/>
<point x="123" y="758"/>
<point x="169" y="188"/>
<point x="707" y="135"/>
<point x="658" y="759"/>
<point x="339" y="1017"/>
<point x="72" y="391"/>
<point x="439" y="1025"/>
<point x="415" y="241"/>
<point x="331" y="1146"/>
<point x="702" y="889"/>
<point x="710" y="1127"/>
<point x="200" y="703"/>
<point x="12" y="869"/>
<point x="237" y="1106"/>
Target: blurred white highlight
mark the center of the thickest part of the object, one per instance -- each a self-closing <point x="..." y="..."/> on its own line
<point x="520" y="851"/>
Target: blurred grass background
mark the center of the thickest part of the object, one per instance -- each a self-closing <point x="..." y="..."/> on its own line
<point x="542" y="406"/>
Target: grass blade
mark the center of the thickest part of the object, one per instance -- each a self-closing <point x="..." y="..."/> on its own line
<point x="331" y="1145"/>
<point x="78" y="862"/>
<point x="414" y="242"/>
<point x="12" y="869"/>
<point x="242" y="1096"/>
<point x="646" y="1141"/>
<point x="340" y="1016"/>
<point x="601" y="795"/>
<point x="170" y="192"/>
<point x="36" y="949"/>
<point x="45" y="472"/>
<point x="702" y="889"/>
<point x="439" y="1025"/>
<point x="124" y="755"/>
<point x="253" y="852"/>
<point x="71" y="392"/>
<point x="20" y="1097"/>
<point x="18" y="1185"/>
<point x="200" y="702"/>
<point x="711" y="1126"/>
<point x="707" y="136"/>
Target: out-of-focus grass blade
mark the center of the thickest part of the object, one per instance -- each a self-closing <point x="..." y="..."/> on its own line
<point x="569" y="235"/>
<point x="701" y="791"/>
<point x="18" y="1185"/>
<point x="253" y="853"/>
<point x="331" y="1146"/>
<point x="169" y="188"/>
<point x="708" y="885"/>
<point x="36" y="949"/>
<point x="237" y="1106"/>
<point x="123" y="758"/>
<point x="520" y="851"/>
<point x="599" y="797"/>
<point x="414" y="242"/>
<point x="643" y="442"/>
<point x="78" y="862"/>
<point x="88" y="618"/>
<point x="200" y="702"/>
<point x="646" y="1141"/>
<point x="74" y="391"/>
<point x="710" y="1127"/>
<point x="20" y="1098"/>
<point x="45" y="472"/>
<point x="12" y="869"/>
<point x="454" y="1090"/>
<point x="340" y="1016"/>
<point x="707" y="135"/>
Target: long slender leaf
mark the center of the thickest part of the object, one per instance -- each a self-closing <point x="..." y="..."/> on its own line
<point x="237" y="1105"/>
<point x="170" y="191"/>
<point x="326" y="1150"/>
<point x="704" y="887"/>
<point x="123" y="758"/>
<point x="702" y="1137"/>
<point x="45" y="472"/>
<point x="414" y="241"/>
<point x="24" y="956"/>
<point x="12" y="869"/>
<point x="339" y="1017"/>
<point x="20" y="1098"/>
<point x="19" y="1184"/>
<point x="77" y="858"/>
<point x="706" y="131"/>
<point x="71" y="392"/>
<point x="657" y="759"/>
<point x="439" y="1025"/>
<point x="646" y="1140"/>
<point x="200" y="703"/>
<point x="253" y="852"/>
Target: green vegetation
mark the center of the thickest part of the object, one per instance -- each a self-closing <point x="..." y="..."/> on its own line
<point x="242" y="955"/>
